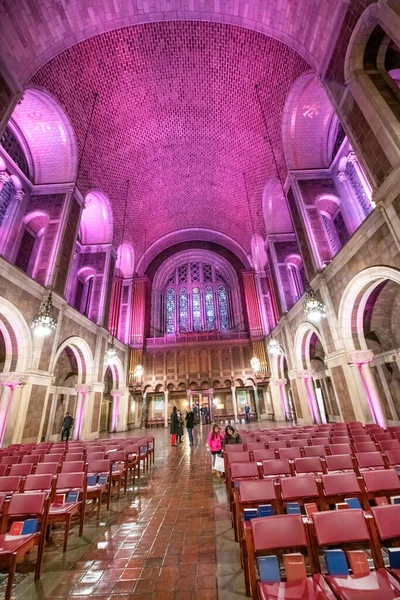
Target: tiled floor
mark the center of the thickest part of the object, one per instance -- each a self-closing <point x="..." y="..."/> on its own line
<point x="169" y="538"/>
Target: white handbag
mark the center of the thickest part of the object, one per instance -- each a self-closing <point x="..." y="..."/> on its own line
<point x="219" y="464"/>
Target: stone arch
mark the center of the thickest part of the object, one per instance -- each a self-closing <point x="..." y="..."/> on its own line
<point x="125" y="262"/>
<point x="83" y="356"/>
<point x="354" y="300"/>
<point x="43" y="128"/>
<point x="17" y="337"/>
<point x="97" y="219"/>
<point x="302" y="341"/>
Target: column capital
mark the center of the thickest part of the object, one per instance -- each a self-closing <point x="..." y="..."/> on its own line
<point x="352" y="157"/>
<point x="166" y="392"/>
<point x="4" y="177"/>
<point x="341" y="176"/>
<point x="19" y="195"/>
<point x="360" y="357"/>
<point x="117" y="393"/>
<point x="13" y="379"/>
<point x="306" y="374"/>
<point x="279" y="382"/>
<point x="82" y="389"/>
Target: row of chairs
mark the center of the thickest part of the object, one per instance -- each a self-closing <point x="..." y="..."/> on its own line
<point x="325" y="479"/>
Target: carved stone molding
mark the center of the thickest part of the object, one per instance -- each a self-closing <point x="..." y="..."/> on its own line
<point x="12" y="379"/>
<point x="4" y="177"/>
<point x="341" y="176"/>
<point x="82" y="389"/>
<point x="352" y="158"/>
<point x="360" y="357"/>
<point x="19" y="195"/>
<point x="279" y="382"/>
<point x="306" y="374"/>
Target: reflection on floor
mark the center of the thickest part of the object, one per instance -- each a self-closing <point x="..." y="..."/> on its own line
<point x="169" y="538"/>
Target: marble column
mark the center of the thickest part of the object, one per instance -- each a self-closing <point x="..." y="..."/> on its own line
<point x="307" y="377"/>
<point x="257" y="402"/>
<point x="366" y="388"/>
<point x="234" y="403"/>
<point x="81" y="393"/>
<point x="8" y="381"/>
<point x="166" y="406"/>
<point x="115" y="409"/>
<point x="144" y="411"/>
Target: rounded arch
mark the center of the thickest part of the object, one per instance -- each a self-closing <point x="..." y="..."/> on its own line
<point x="17" y="337"/>
<point x="309" y="125"/>
<point x="117" y="373"/>
<point x="276" y="214"/>
<point x="194" y="234"/>
<point x="97" y="219"/>
<point x="83" y="356"/>
<point x="45" y="134"/>
<point x="302" y="344"/>
<point x="126" y="260"/>
<point x="354" y="300"/>
<point x="328" y="203"/>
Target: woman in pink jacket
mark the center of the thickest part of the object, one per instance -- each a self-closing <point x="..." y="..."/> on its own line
<point x="215" y="441"/>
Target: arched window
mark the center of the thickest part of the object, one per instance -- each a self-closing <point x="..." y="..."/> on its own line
<point x="210" y="312"/>
<point x="84" y="291"/>
<point x="223" y="308"/>
<point x="336" y="232"/>
<point x="330" y="233"/>
<point x="196" y="298"/>
<point x="170" y="311"/>
<point x="183" y="311"/>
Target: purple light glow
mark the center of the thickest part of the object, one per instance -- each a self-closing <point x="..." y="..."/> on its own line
<point x="114" y="423"/>
<point x="311" y="398"/>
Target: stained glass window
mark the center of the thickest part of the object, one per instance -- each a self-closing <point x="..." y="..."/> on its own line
<point x="170" y="311"/>
<point x="223" y="308"/>
<point x="196" y="309"/>
<point x="210" y="313"/>
<point x="183" y="311"/>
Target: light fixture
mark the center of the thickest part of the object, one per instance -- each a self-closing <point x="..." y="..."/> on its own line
<point x="138" y="372"/>
<point x="313" y="308"/>
<point x="274" y="346"/>
<point x="44" y="322"/>
<point x="255" y="364"/>
<point x="111" y="353"/>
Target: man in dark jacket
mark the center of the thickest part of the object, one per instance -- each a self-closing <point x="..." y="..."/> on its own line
<point x="174" y="428"/>
<point x="190" y="425"/>
<point x="67" y="426"/>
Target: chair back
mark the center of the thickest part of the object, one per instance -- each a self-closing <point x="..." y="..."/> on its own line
<point x="308" y="465"/>
<point x="77" y="466"/>
<point x="334" y="527"/>
<point x="277" y="467"/>
<point x="47" y="468"/>
<point x="278" y="531"/>
<point x="41" y="483"/>
<point x="10" y="484"/>
<point x="22" y="470"/>
<point x="339" y="462"/>
<point x="27" y="504"/>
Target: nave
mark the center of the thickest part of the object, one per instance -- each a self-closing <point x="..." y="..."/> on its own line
<point x="167" y="538"/>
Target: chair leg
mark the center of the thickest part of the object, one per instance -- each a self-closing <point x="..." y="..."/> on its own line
<point x="99" y="505"/>
<point x="39" y="560"/>
<point x="126" y="480"/>
<point x="66" y="532"/>
<point x="82" y="518"/>
<point x="108" y="496"/>
<point x="10" y="580"/>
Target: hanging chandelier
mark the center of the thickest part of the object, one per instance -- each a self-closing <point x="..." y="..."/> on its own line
<point x="313" y="308"/>
<point x="44" y="322"/>
<point x="274" y="346"/>
<point x="255" y="364"/>
<point x="111" y="353"/>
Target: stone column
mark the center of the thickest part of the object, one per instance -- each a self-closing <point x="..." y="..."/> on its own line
<point x="189" y="398"/>
<point x="234" y="403"/>
<point x="366" y="388"/>
<point x="211" y="395"/>
<point x="81" y="393"/>
<point x="257" y="402"/>
<point x="144" y="411"/>
<point x="115" y="410"/>
<point x="122" y="416"/>
<point x="279" y="399"/>
<point x="8" y="381"/>
<point x="166" y="411"/>
<point x="307" y="377"/>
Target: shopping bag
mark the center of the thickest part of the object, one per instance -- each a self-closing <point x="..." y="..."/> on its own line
<point x="219" y="464"/>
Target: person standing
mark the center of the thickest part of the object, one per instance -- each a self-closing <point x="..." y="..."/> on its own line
<point x="67" y="424"/>
<point x="180" y="428"/>
<point x="215" y="441"/>
<point x="247" y="410"/>
<point x="174" y="427"/>
<point x="190" y="423"/>
<point x="231" y="436"/>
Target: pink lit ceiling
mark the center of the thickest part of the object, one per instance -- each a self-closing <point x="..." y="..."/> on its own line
<point x="31" y="33"/>
<point x="178" y="116"/>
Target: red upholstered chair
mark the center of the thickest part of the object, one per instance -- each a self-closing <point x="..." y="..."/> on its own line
<point x="338" y="486"/>
<point x="73" y="467"/>
<point x="119" y="469"/>
<point x="251" y="446"/>
<point x="381" y="483"/>
<point x="234" y="448"/>
<point x="96" y="455"/>
<point x="63" y="513"/>
<point x="276" y="468"/>
<point x="22" y="470"/>
<point x="382" y="436"/>
<point x="260" y="455"/>
<point x="290" y="453"/>
<point x="21" y="507"/>
<point x="393" y="457"/>
<point x="74" y="456"/>
<point x="339" y="462"/>
<point x="273" y="535"/>
<point x="315" y="451"/>
<point x="4" y="469"/>
<point x="389" y="445"/>
<point x="47" y="468"/>
<point x="311" y="464"/>
<point x="10" y="485"/>
<point x="243" y="470"/>
<point x="296" y="444"/>
<point x="52" y="458"/>
<point x="12" y="460"/>
<point x="39" y="483"/>
<point x="387" y="524"/>
<point x="32" y="459"/>
<point x="335" y="528"/>
<point x="300" y="489"/>
<point x="340" y="448"/>
<point x="277" y="444"/>
<point x="370" y="460"/>
<point x="96" y="492"/>
<point x="364" y="447"/>
<point x="250" y="494"/>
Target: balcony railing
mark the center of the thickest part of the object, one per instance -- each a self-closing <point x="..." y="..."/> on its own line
<point x="202" y="336"/>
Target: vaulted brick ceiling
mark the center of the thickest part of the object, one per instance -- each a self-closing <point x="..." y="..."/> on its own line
<point x="178" y="116"/>
<point x="31" y="33"/>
